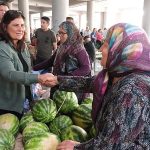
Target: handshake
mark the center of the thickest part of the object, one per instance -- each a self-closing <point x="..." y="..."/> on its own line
<point x="47" y="79"/>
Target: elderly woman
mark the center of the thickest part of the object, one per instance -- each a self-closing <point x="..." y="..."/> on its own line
<point x="15" y="66"/>
<point x="70" y="58"/>
<point x="121" y="105"/>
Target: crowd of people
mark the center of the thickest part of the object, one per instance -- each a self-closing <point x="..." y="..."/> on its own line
<point x="121" y="99"/>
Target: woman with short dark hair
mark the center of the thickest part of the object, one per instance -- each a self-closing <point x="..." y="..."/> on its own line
<point x="15" y="65"/>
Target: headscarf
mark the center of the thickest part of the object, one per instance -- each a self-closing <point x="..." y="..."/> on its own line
<point x="72" y="32"/>
<point x="72" y="45"/>
<point x="129" y="51"/>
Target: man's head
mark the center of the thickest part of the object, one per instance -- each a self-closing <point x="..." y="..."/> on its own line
<point x="87" y="28"/>
<point x="86" y="39"/>
<point x="3" y="9"/>
<point x="70" y="19"/>
<point x="45" y="21"/>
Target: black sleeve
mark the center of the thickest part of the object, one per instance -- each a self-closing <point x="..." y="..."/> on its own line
<point x="46" y="64"/>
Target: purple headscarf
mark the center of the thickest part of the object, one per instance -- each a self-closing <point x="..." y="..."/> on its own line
<point x="129" y="51"/>
<point x="72" y="45"/>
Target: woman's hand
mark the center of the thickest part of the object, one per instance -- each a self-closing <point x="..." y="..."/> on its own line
<point x="67" y="145"/>
<point x="48" y="79"/>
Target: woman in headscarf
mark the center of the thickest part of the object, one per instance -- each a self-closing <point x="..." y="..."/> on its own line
<point x="71" y="47"/>
<point x="121" y="105"/>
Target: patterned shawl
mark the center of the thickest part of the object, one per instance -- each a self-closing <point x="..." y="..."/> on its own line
<point x="129" y="51"/>
<point x="72" y="45"/>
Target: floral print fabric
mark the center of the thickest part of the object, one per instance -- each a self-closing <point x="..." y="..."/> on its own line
<point x="123" y="123"/>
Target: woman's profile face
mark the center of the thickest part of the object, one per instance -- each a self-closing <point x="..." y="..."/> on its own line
<point x="63" y="35"/>
<point x="16" y="29"/>
<point x="104" y="50"/>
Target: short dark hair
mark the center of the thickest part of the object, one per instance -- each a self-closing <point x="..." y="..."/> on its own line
<point x="4" y="4"/>
<point x="46" y="19"/>
<point x="69" y="18"/>
<point x="9" y="16"/>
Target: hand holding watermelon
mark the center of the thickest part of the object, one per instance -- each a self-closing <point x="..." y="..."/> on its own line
<point x="67" y="145"/>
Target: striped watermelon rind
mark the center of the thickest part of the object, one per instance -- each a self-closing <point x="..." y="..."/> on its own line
<point x="47" y="141"/>
<point x="7" y="140"/>
<point x="34" y="129"/>
<point x="44" y="110"/>
<point x="25" y="120"/>
<point x="74" y="133"/>
<point x="66" y="102"/>
<point x="92" y="132"/>
<point x="9" y="122"/>
<point x="87" y="100"/>
<point x="82" y="116"/>
<point x="59" y="123"/>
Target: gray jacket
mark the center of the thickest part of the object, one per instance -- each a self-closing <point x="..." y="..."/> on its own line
<point x="13" y="78"/>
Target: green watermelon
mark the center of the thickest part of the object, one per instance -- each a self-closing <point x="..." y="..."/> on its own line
<point x="82" y="116"/>
<point x="66" y="101"/>
<point x="34" y="129"/>
<point x="7" y="140"/>
<point x="87" y="100"/>
<point x="47" y="141"/>
<point x="10" y="122"/>
<point x="25" y="120"/>
<point x="75" y="133"/>
<point x="59" y="123"/>
<point x="92" y="132"/>
<point x="44" y="110"/>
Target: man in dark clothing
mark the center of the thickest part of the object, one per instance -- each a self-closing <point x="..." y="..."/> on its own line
<point x="89" y="48"/>
<point x="45" y="41"/>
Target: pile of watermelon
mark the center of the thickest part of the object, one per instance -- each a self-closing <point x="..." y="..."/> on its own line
<point x="49" y="122"/>
<point x="9" y="127"/>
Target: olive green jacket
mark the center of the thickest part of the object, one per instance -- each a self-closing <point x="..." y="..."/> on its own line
<point x="12" y="78"/>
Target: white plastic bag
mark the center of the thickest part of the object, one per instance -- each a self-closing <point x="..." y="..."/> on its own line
<point x="40" y="92"/>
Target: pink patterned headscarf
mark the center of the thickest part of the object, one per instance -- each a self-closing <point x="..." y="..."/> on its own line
<point x="129" y="51"/>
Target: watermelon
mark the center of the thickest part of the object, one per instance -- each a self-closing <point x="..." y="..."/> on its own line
<point x="74" y="133"/>
<point x="47" y="141"/>
<point x="25" y="120"/>
<point x="7" y="140"/>
<point x="44" y="110"/>
<point x="82" y="116"/>
<point x="92" y="132"/>
<point x="66" y="101"/>
<point x="34" y="129"/>
<point x="59" y="123"/>
<point x="87" y="100"/>
<point x="10" y="122"/>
